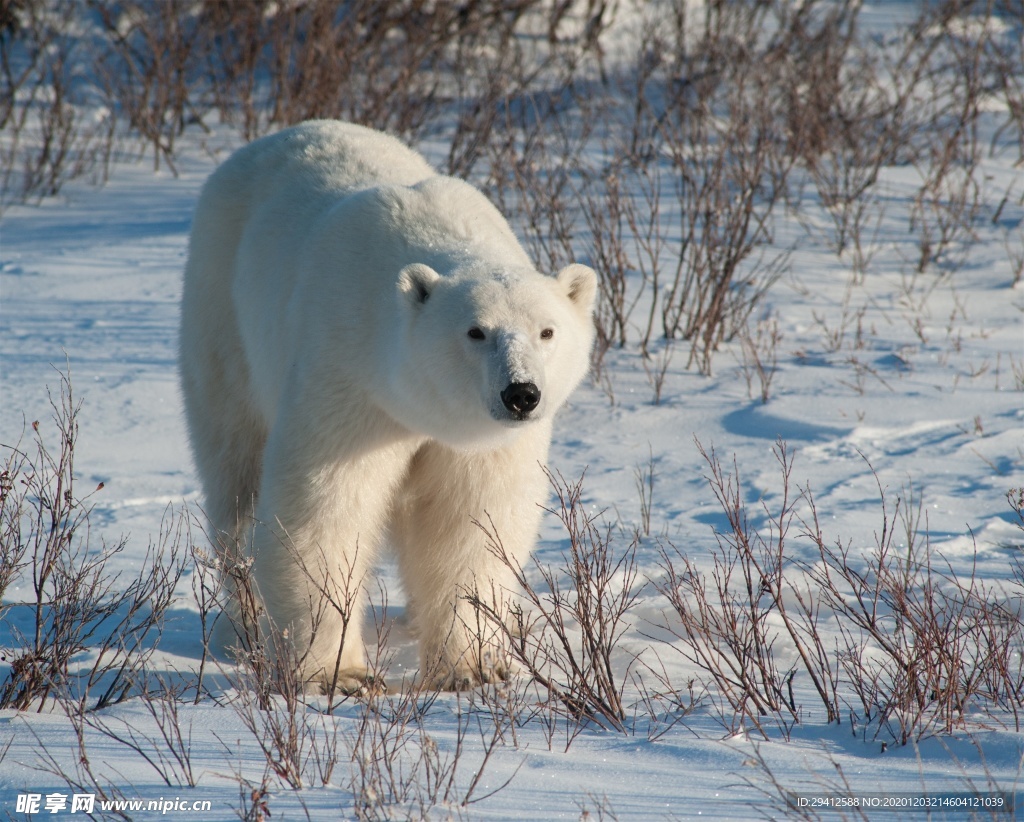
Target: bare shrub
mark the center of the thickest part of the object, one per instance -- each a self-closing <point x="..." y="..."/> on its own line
<point x="53" y="125"/>
<point x="890" y="637"/>
<point x="296" y="739"/>
<point x="333" y="603"/>
<point x="759" y="355"/>
<point x="150" y="68"/>
<point x="126" y="642"/>
<point x="644" y="477"/>
<point x="169" y="751"/>
<point x="603" y="205"/>
<point x="730" y="623"/>
<point x="272" y="698"/>
<point x="694" y="169"/>
<point x="279" y="659"/>
<point x="207" y="594"/>
<point x="970" y="58"/>
<point x="728" y="184"/>
<point x="392" y="66"/>
<point x="847" y="107"/>
<point x="289" y="716"/>
<point x="72" y="72"/>
<point x="254" y="800"/>
<point x="397" y="767"/>
<point x="82" y="777"/>
<point x="671" y="198"/>
<point x="531" y="162"/>
<point x="920" y="644"/>
<point x="522" y="79"/>
<point x="603" y="809"/>
<point x="677" y="205"/>
<point x="631" y="246"/>
<point x="569" y="639"/>
<point x="727" y="637"/>
<point x="997" y="655"/>
<point x="1015" y="498"/>
<point x="367" y="61"/>
<point x="240" y="629"/>
<point x="907" y="629"/>
<point x="78" y="603"/>
<point x="1008" y="57"/>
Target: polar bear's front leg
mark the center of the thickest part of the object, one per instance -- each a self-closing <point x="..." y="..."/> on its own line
<point x="320" y="518"/>
<point x="445" y="556"/>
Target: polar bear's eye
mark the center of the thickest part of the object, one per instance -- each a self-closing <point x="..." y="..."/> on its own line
<point x="475" y="333"/>
<point x="547" y="333"/>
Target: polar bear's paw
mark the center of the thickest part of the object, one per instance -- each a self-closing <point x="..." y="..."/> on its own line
<point x="465" y="674"/>
<point x="356" y="681"/>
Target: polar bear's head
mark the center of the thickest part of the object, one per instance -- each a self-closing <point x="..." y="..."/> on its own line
<point x="489" y="352"/>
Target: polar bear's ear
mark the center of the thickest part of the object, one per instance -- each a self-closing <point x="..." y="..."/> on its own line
<point x="580" y="284"/>
<point x="416" y="281"/>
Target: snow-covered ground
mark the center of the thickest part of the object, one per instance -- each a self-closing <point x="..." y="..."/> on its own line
<point x="912" y="384"/>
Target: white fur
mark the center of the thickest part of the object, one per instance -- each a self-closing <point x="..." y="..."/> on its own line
<point x="333" y="391"/>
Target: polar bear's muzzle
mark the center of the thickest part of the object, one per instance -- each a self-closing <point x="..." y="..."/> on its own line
<point x="521" y="399"/>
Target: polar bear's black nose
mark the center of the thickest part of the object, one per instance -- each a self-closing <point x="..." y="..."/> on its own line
<point x="521" y="398"/>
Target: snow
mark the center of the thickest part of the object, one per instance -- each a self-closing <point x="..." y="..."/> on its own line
<point x="911" y="385"/>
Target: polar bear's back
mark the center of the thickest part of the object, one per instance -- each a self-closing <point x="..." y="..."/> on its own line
<point x="277" y="186"/>
<point x="270" y="191"/>
<point x="323" y="157"/>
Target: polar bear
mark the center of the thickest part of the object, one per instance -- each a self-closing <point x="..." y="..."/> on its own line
<point x="369" y="357"/>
